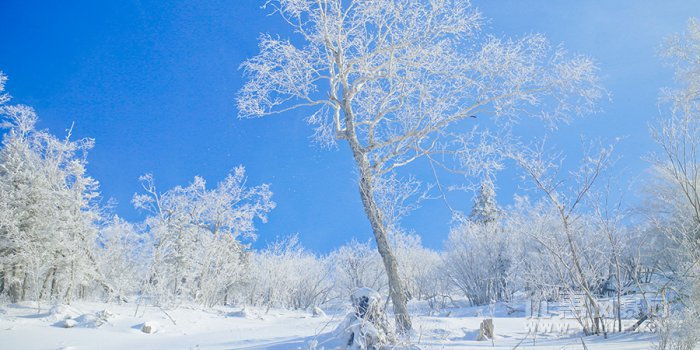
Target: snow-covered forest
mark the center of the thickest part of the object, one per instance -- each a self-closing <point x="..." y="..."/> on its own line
<point x="399" y="85"/>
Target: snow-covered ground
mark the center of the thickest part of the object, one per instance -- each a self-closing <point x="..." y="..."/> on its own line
<point x="108" y="326"/>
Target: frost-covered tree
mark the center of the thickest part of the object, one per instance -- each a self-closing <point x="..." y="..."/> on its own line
<point x="4" y="97"/>
<point x="198" y="253"/>
<point x="122" y="252"/>
<point x="394" y="79"/>
<point x="679" y="133"/>
<point x="571" y="242"/>
<point x="627" y="247"/>
<point x="477" y="255"/>
<point x="533" y="269"/>
<point x="485" y="209"/>
<point x="677" y="189"/>
<point x="50" y="215"/>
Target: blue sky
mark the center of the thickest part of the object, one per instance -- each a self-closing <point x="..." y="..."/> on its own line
<point x="154" y="83"/>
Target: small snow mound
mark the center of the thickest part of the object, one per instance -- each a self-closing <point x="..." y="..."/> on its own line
<point x="58" y="309"/>
<point x="89" y="321"/>
<point x="326" y="341"/>
<point x="318" y="312"/>
<point x="67" y="323"/>
<point x="442" y="333"/>
<point x="469" y="334"/>
<point x="62" y="312"/>
<point x="244" y="313"/>
<point x="105" y="314"/>
<point x="149" y="327"/>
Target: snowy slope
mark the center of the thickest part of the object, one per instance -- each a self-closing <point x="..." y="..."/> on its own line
<point x="21" y="327"/>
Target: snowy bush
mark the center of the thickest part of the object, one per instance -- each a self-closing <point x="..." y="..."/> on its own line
<point x="534" y="270"/>
<point x="366" y="327"/>
<point x="477" y="261"/>
<point x="421" y="268"/>
<point x="357" y="265"/>
<point x="286" y="275"/>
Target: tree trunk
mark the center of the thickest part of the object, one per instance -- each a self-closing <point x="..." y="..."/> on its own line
<point x="54" y="285"/>
<point x="14" y="286"/>
<point x="396" y="287"/>
<point x="24" y="286"/>
<point x="592" y="306"/>
<point x="45" y="285"/>
<point x="397" y="290"/>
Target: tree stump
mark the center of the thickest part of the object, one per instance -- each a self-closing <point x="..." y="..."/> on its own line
<point x="149" y="327"/>
<point x="486" y="330"/>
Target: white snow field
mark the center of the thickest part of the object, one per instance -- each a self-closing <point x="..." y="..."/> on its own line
<point x="109" y="326"/>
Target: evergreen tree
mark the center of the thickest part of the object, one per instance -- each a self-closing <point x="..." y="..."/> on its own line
<point x="485" y="209"/>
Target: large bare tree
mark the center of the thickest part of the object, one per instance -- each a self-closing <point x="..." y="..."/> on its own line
<point x="678" y="133"/>
<point x="398" y="80"/>
<point x="676" y="191"/>
<point x="566" y="201"/>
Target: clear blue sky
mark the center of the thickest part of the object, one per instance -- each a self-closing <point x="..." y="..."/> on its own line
<point x="154" y="82"/>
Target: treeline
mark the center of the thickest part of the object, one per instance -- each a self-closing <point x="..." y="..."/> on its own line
<point x="59" y="244"/>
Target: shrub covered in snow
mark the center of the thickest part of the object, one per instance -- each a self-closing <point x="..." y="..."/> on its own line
<point x="285" y="275"/>
<point x="478" y="261"/>
<point x="366" y="327"/>
<point x="355" y="265"/>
